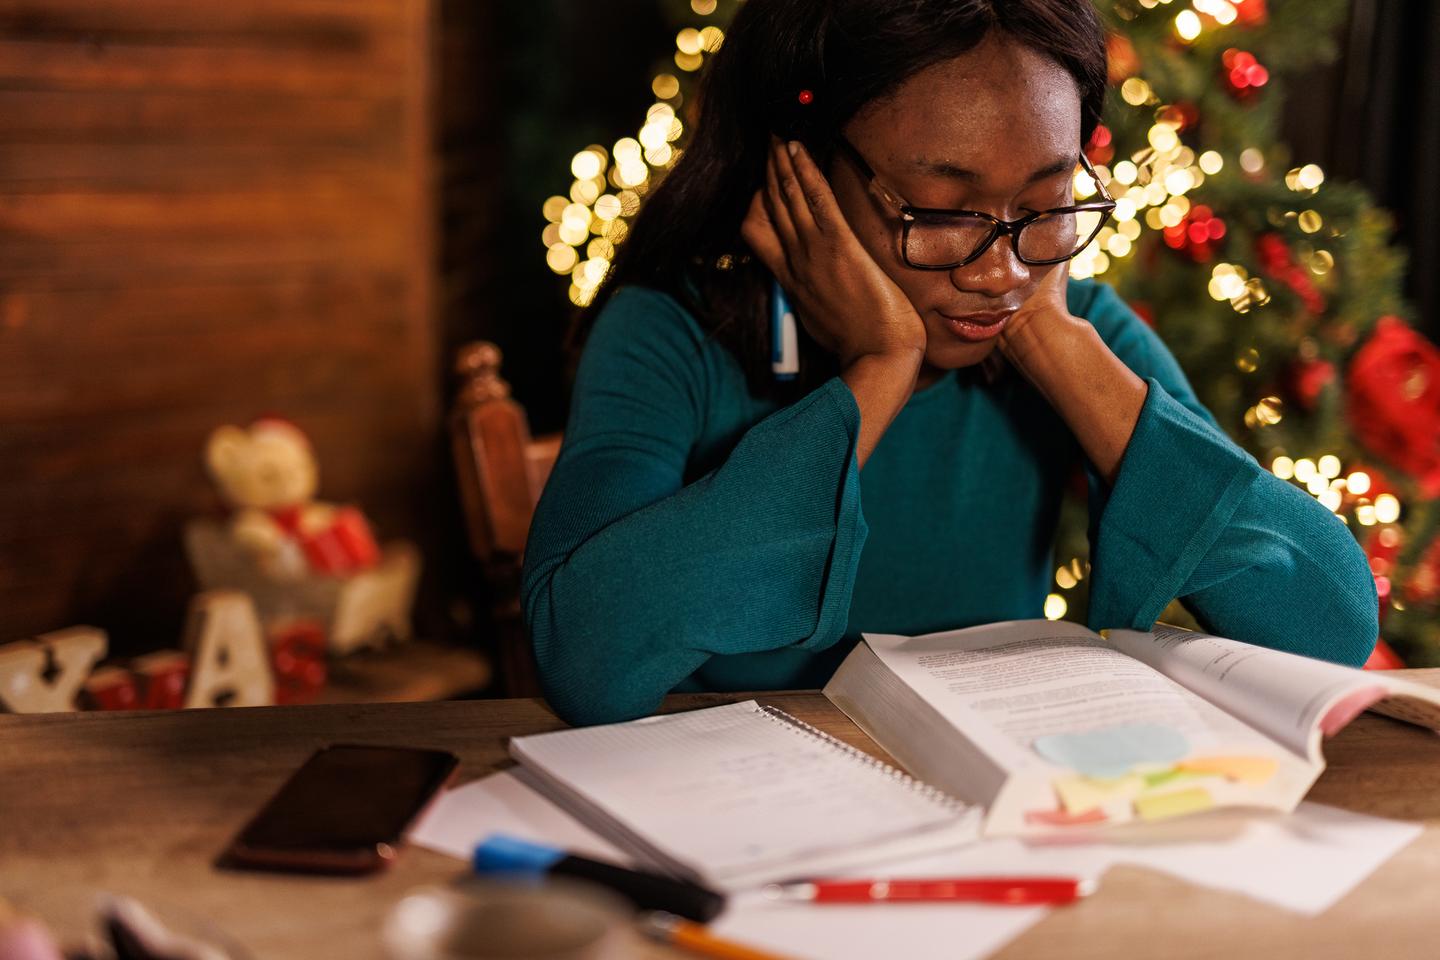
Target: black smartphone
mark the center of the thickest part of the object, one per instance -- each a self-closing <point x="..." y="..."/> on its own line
<point x="345" y="811"/>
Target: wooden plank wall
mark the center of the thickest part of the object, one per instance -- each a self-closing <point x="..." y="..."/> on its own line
<point x="209" y="210"/>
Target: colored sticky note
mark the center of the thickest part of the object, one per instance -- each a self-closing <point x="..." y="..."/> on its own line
<point x="1160" y="778"/>
<point x="1060" y="818"/>
<point x="1251" y="770"/>
<point x="1163" y="805"/>
<point x="1111" y="751"/>
<point x="1081" y="794"/>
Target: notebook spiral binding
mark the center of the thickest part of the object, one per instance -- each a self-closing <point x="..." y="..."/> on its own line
<point x="904" y="779"/>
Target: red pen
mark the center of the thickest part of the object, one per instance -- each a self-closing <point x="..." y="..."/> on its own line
<point x="1014" y="891"/>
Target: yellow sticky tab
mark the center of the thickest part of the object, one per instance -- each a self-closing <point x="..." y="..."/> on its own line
<point x="1081" y="794"/>
<point x="1161" y="806"/>
<point x="1250" y="770"/>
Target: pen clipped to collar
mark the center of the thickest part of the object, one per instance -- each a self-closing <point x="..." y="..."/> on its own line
<point x="784" y="345"/>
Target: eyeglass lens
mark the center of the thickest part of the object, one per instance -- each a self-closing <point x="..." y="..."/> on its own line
<point x="935" y="240"/>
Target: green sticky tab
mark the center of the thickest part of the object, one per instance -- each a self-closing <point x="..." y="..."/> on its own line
<point x="1161" y="777"/>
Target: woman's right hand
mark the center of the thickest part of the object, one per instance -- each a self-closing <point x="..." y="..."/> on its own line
<point x="845" y="301"/>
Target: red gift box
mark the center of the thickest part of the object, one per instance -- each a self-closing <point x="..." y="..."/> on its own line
<point x="344" y="546"/>
<point x="297" y="658"/>
<point x="112" y="688"/>
<point x="162" y="679"/>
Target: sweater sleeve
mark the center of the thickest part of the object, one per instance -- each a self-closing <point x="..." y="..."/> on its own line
<point x="633" y="579"/>
<point x="1193" y="516"/>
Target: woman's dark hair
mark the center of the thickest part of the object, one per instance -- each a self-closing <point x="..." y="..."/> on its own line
<point x="686" y="240"/>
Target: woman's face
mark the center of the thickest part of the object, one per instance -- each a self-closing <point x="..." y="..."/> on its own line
<point x="1002" y="112"/>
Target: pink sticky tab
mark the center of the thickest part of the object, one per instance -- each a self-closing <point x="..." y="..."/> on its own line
<point x="1349" y="707"/>
<point x="1059" y="818"/>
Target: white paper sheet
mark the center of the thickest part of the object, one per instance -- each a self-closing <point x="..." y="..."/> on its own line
<point x="460" y="818"/>
<point x="1305" y="861"/>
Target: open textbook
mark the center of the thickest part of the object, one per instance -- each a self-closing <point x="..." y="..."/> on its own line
<point x="1052" y="727"/>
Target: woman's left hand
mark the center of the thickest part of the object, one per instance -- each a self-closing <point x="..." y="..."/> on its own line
<point x="1035" y="331"/>
<point x="1095" y="393"/>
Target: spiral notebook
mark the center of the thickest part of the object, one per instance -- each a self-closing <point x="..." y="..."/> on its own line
<point x="740" y="795"/>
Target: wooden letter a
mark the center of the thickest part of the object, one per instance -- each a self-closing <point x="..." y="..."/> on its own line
<point x="230" y="666"/>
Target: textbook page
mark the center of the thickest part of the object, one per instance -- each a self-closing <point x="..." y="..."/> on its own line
<point x="1006" y="686"/>
<point x="1295" y="700"/>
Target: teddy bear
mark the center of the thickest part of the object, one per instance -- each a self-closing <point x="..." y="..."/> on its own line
<point x="267" y="474"/>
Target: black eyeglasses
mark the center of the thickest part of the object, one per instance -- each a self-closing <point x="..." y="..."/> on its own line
<point x="936" y="239"/>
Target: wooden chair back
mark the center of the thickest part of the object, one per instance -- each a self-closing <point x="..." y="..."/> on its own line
<point x="501" y="470"/>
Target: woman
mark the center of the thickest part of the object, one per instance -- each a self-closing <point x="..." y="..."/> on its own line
<point x="709" y="527"/>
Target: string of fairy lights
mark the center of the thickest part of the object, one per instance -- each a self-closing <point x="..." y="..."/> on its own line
<point x="583" y="229"/>
<point x="1152" y="188"/>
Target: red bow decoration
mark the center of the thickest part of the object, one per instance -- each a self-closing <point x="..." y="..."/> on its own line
<point x="1394" y="400"/>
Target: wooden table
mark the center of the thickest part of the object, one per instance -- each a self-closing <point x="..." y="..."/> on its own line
<point x="140" y="803"/>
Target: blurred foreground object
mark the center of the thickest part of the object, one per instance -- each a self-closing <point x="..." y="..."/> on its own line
<point x="24" y="938"/>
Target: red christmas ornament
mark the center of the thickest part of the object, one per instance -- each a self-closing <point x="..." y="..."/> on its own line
<point x="1101" y="148"/>
<point x="1250" y="13"/>
<point x="1382" y="547"/>
<point x="1275" y="259"/>
<point x="1241" y="74"/>
<point x="1121" y="59"/>
<point x="1382" y="657"/>
<point x="1197" y="234"/>
<point x="1393" y="400"/>
<point x="1379" y="484"/>
<point x="1306" y="379"/>
<point x="1184" y="115"/>
<point x="1424" y="583"/>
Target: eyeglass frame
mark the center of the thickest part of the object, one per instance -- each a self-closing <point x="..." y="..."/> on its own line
<point x="998" y="227"/>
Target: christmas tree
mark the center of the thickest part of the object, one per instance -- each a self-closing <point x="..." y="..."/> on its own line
<point x="1277" y="290"/>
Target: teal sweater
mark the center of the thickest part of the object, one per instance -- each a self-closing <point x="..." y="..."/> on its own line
<point x="693" y="537"/>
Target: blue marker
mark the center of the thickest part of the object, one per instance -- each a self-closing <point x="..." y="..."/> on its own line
<point x="511" y="856"/>
<point x="784" y="348"/>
